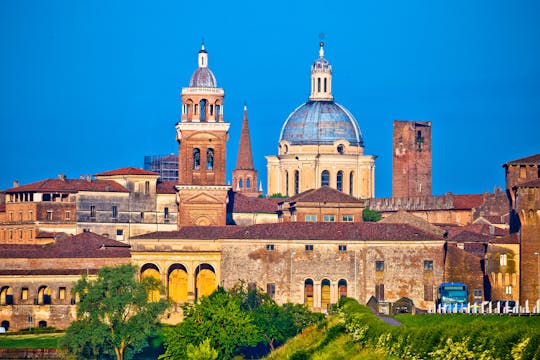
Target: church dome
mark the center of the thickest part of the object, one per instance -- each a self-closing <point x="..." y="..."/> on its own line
<point x="203" y="77"/>
<point x="321" y="123"/>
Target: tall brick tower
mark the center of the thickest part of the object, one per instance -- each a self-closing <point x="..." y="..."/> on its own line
<point x="411" y="174"/>
<point x="245" y="176"/>
<point x="202" y="143"/>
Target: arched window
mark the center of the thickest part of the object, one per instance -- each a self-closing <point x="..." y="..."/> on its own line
<point x="6" y="296"/>
<point x="296" y="182"/>
<point x="203" y="110"/>
<point x="151" y="271"/>
<point x="209" y="159"/>
<point x="342" y="288"/>
<point x="5" y="324"/>
<point x="325" y="178"/>
<point x="178" y="283"/>
<point x="218" y="112"/>
<point x="240" y="183"/>
<point x="351" y="183"/>
<point x="340" y="149"/>
<point x="248" y="183"/>
<point x="325" y="293"/>
<point x="339" y="180"/>
<point x="318" y="84"/>
<point x="205" y="280"/>
<point x="196" y="159"/>
<point x="44" y="296"/>
<point x="325" y="84"/>
<point x="308" y="292"/>
<point x="286" y="183"/>
<point x="42" y="324"/>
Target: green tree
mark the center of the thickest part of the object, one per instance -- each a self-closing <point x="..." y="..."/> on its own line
<point x="202" y="352"/>
<point x="371" y="215"/>
<point x="217" y="317"/>
<point x="114" y="315"/>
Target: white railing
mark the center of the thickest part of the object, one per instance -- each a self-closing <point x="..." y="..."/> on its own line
<point x="489" y="307"/>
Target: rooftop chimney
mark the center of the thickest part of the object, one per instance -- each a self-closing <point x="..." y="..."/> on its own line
<point x="16" y="183"/>
<point x="62" y="177"/>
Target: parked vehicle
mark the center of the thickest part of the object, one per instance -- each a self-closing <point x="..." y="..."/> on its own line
<point x="453" y="296"/>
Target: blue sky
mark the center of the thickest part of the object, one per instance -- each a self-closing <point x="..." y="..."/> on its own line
<point x="89" y="86"/>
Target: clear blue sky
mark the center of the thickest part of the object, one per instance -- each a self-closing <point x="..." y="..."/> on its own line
<point x="89" y="86"/>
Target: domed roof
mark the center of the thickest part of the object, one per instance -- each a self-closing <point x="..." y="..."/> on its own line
<point x="203" y="77"/>
<point x="321" y="122"/>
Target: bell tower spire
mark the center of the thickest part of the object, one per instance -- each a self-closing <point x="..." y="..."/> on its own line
<point x="245" y="175"/>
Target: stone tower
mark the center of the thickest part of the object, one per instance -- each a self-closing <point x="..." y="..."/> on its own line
<point x="202" y="142"/>
<point x="411" y="173"/>
<point x="244" y="178"/>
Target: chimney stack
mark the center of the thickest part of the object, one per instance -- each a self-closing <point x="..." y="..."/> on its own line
<point x="16" y="183"/>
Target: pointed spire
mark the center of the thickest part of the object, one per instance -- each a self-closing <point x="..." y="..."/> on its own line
<point x="245" y="157"/>
<point x="203" y="57"/>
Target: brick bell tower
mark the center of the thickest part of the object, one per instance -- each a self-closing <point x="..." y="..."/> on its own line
<point x="411" y="167"/>
<point x="202" y="143"/>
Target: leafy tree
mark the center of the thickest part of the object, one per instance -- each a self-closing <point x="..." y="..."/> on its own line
<point x="202" y="352"/>
<point x="277" y="196"/>
<point x="114" y="315"/>
<point x="217" y="317"/>
<point x="371" y="215"/>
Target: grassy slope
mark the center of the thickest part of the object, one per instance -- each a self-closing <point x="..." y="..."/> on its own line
<point x="330" y="340"/>
<point x="38" y="341"/>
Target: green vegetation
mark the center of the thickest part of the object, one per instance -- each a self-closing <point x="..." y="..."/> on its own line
<point x="355" y="333"/>
<point x="369" y="215"/>
<point x="277" y="196"/>
<point x="114" y="315"/>
<point x="34" y="341"/>
<point x="243" y="321"/>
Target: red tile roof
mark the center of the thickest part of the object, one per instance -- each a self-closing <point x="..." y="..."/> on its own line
<point x="469" y="236"/>
<point x="239" y="203"/>
<point x="507" y="239"/>
<point x="529" y="160"/>
<point x="69" y="185"/>
<point x="300" y="231"/>
<point x="166" y="187"/>
<point x="127" y="171"/>
<point x="323" y="194"/>
<point x="57" y="272"/>
<point x="84" y="245"/>
<point x="469" y="201"/>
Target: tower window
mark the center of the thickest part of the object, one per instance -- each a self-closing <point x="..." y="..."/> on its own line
<point x="379" y="265"/>
<point x="248" y="183"/>
<point x="286" y="183"/>
<point x="325" y="84"/>
<point x="318" y="84"/>
<point x="209" y="159"/>
<point x="203" y="110"/>
<point x="351" y="183"/>
<point x="325" y="178"/>
<point x="339" y="180"/>
<point x="340" y="149"/>
<point x="196" y="159"/>
<point x="114" y="214"/>
<point x="195" y="108"/>
<point x="240" y="183"/>
<point x="296" y="182"/>
<point x="419" y="140"/>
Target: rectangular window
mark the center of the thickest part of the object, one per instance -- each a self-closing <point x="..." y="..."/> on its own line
<point x="503" y="260"/>
<point x="311" y="217"/>
<point x="30" y="215"/>
<point x="10" y="216"/>
<point x="379" y="265"/>
<point x="428" y="265"/>
<point x="428" y="292"/>
<point x="342" y="247"/>
<point x="477" y="293"/>
<point x="62" y="293"/>
<point x="166" y="213"/>
<point x="328" y="218"/>
<point x="20" y="216"/>
<point x="119" y="232"/>
<point x="142" y="216"/>
<point x="147" y="187"/>
<point x="20" y="234"/>
<point x="347" y="218"/>
<point x="24" y="294"/>
<point x="114" y="212"/>
<point x="271" y="290"/>
<point x="522" y="171"/>
<point x="68" y="215"/>
<point x="309" y="247"/>
<point x="508" y="290"/>
<point x="49" y="215"/>
<point x="270" y="247"/>
<point x="92" y="211"/>
<point x="379" y="292"/>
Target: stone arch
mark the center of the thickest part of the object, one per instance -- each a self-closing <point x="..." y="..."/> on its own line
<point x="308" y="292"/>
<point x="5" y="324"/>
<point x="203" y="221"/>
<point x="150" y="270"/>
<point x="342" y="288"/>
<point x="6" y="295"/>
<point x="177" y="283"/>
<point x="42" y="324"/>
<point x="205" y="280"/>
<point x="44" y="295"/>
<point x="325" y="293"/>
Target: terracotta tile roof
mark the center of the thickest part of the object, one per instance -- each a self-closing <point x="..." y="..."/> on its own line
<point x="485" y="229"/>
<point x="470" y="236"/>
<point x="468" y="201"/>
<point x="58" y="272"/>
<point x="166" y="187"/>
<point x="507" y="239"/>
<point x="239" y="203"/>
<point x="193" y="232"/>
<point x="533" y="183"/>
<point x="69" y="185"/>
<point x="323" y="194"/>
<point x="84" y="245"/>
<point x="300" y="231"/>
<point x="492" y="219"/>
<point x="127" y="171"/>
<point x="403" y="217"/>
<point x="529" y="160"/>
